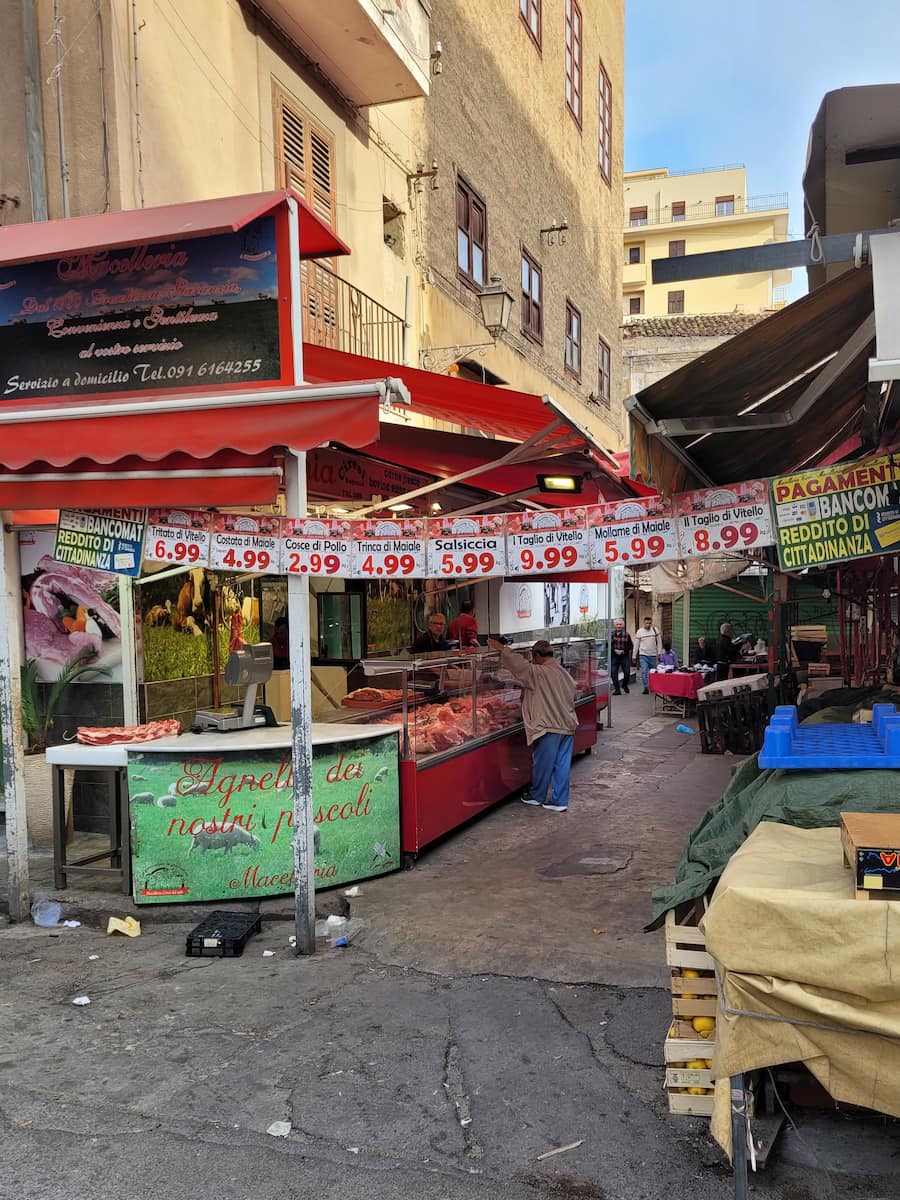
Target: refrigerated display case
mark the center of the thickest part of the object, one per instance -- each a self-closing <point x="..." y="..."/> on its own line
<point x="462" y="742"/>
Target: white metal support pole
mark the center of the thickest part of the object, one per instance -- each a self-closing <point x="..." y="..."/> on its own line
<point x="609" y="678"/>
<point x="129" y="653"/>
<point x="686" y="628"/>
<point x="299" y="649"/>
<point x="11" y="724"/>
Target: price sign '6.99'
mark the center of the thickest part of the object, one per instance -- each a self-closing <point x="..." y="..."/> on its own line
<point x="245" y="543"/>
<point x="177" y="535"/>
<point x="466" y="547"/>
<point x="315" y="547"/>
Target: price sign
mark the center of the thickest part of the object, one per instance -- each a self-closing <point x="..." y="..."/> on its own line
<point x="539" y="542"/>
<point x="631" y="532"/>
<point x="734" y="518"/>
<point x="177" y="535"/>
<point x="466" y="547"/>
<point x="315" y="547"/>
<point x="244" y="543"/>
<point x="388" y="549"/>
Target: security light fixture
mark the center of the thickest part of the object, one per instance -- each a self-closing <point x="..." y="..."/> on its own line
<point x="399" y="508"/>
<point x="561" y="483"/>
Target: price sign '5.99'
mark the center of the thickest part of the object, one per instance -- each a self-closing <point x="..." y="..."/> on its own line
<point x="463" y="547"/>
<point x="632" y="532"/>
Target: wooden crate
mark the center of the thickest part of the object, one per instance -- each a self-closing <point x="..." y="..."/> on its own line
<point x="693" y="997"/>
<point x="871" y="844"/>
<point x="685" y="944"/>
<point x="683" y="1050"/>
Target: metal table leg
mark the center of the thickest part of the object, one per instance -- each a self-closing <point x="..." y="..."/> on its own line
<point x="739" y="1137"/>
<point x="58" y="787"/>
<point x="124" y="831"/>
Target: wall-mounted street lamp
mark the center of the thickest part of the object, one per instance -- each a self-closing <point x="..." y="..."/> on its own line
<point x="561" y="483"/>
<point x="496" y="309"/>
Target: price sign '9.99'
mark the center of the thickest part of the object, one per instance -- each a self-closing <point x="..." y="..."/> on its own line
<point x="177" y="535"/>
<point x="245" y="543"/>
<point x="388" y="549"/>
<point x="315" y="547"/>
<point x="547" y="541"/>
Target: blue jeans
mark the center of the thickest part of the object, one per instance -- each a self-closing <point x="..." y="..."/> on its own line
<point x="551" y="758"/>
<point x="647" y="661"/>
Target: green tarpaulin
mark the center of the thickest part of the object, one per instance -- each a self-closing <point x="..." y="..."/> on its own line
<point x="806" y="799"/>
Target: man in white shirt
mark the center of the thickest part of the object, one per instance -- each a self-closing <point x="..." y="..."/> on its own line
<point x="647" y="649"/>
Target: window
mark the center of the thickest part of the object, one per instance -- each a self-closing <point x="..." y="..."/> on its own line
<point x="676" y="249"/>
<point x="724" y="206"/>
<point x="532" y="298"/>
<point x="304" y="155"/>
<point x="603" y="373"/>
<point x="605" y="124"/>
<point x="676" y="303"/>
<point x="573" y="59"/>
<point x="634" y="254"/>
<point x="530" y="12"/>
<point x="677" y="210"/>
<point x="635" y="304"/>
<point x="471" y="235"/>
<point x="573" y="339"/>
<point x="637" y="216"/>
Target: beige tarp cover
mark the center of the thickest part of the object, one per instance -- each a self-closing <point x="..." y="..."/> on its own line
<point x="818" y="970"/>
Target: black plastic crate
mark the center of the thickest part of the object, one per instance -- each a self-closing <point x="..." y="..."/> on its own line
<point x="222" y="935"/>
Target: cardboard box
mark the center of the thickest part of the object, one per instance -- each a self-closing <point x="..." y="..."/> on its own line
<point x="871" y="843"/>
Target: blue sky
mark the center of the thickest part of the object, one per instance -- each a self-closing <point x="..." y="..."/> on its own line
<point x="715" y="84"/>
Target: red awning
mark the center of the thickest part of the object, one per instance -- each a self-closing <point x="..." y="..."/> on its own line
<point x="514" y="415"/>
<point x="135" y="483"/>
<point x="446" y="454"/>
<point x="30" y="241"/>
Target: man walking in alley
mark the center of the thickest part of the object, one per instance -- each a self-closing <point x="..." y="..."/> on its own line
<point x="620" y="652"/>
<point x="548" y="713"/>
<point x="647" y="649"/>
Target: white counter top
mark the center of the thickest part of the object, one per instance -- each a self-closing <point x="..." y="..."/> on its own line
<point x="189" y="744"/>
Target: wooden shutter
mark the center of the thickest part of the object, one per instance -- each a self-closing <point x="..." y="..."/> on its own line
<point x="304" y="156"/>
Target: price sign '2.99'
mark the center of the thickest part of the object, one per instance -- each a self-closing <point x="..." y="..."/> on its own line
<point x="315" y="547"/>
<point x="245" y="543"/>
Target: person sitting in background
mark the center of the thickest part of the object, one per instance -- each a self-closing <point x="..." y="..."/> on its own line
<point x="464" y="628"/>
<point x="668" y="658"/>
<point x="281" y="652"/>
<point x="434" y="638"/>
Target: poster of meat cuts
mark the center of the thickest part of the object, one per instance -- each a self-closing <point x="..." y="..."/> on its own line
<point x="316" y="546"/>
<point x="389" y="549"/>
<point x="466" y="547"/>
<point x="736" y="518"/>
<point x="547" y="541"/>
<point x="632" y="532"/>
<point x="219" y="826"/>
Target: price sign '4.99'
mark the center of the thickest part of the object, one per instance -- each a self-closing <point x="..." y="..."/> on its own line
<point x="717" y="520"/>
<point x="388" y="549"/>
<point x="245" y="543"/>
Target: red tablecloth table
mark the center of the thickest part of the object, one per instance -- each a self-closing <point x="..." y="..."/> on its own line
<point x="674" y="690"/>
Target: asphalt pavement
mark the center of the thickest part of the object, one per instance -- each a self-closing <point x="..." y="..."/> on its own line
<point x="495" y="1030"/>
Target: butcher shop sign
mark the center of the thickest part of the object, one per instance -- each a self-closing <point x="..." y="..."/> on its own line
<point x="109" y="541"/>
<point x="218" y="825"/>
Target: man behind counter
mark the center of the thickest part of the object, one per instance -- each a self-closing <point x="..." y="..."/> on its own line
<point x="434" y="637"/>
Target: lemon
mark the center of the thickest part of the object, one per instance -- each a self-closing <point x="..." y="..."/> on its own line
<point x="690" y="973"/>
<point x="697" y="1064"/>
<point x="708" y="1063"/>
<point x="671" y="1032"/>
<point x="704" y="1025"/>
<point x="695" y="1091"/>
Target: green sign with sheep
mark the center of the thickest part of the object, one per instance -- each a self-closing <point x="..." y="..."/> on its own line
<point x="220" y="826"/>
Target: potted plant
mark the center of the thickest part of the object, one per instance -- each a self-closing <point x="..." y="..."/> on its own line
<point x="39" y="705"/>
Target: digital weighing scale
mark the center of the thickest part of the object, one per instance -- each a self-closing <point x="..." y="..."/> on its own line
<point x="250" y="666"/>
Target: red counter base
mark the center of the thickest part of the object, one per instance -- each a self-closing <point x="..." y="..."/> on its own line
<point x="435" y="799"/>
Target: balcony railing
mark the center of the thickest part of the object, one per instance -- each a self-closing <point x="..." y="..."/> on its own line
<point x="340" y="316"/>
<point x="738" y="207"/>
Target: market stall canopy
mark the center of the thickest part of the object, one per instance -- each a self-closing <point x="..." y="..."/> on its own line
<point x="446" y="455"/>
<point x="30" y="241"/>
<point x="775" y="398"/>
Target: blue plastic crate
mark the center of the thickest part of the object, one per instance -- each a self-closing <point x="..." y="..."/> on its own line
<point x="795" y="747"/>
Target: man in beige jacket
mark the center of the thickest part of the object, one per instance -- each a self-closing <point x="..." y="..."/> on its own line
<point x="548" y="712"/>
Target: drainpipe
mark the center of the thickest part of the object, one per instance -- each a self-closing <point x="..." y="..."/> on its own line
<point x="34" y="120"/>
<point x="57" y="71"/>
<point x="406" y="325"/>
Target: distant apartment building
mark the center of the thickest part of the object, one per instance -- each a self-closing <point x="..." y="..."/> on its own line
<point x="446" y="141"/>
<point x="668" y="214"/>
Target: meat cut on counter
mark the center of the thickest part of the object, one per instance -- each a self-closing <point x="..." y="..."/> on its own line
<point x="114" y="734"/>
<point x="437" y="727"/>
<point x="371" y="697"/>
